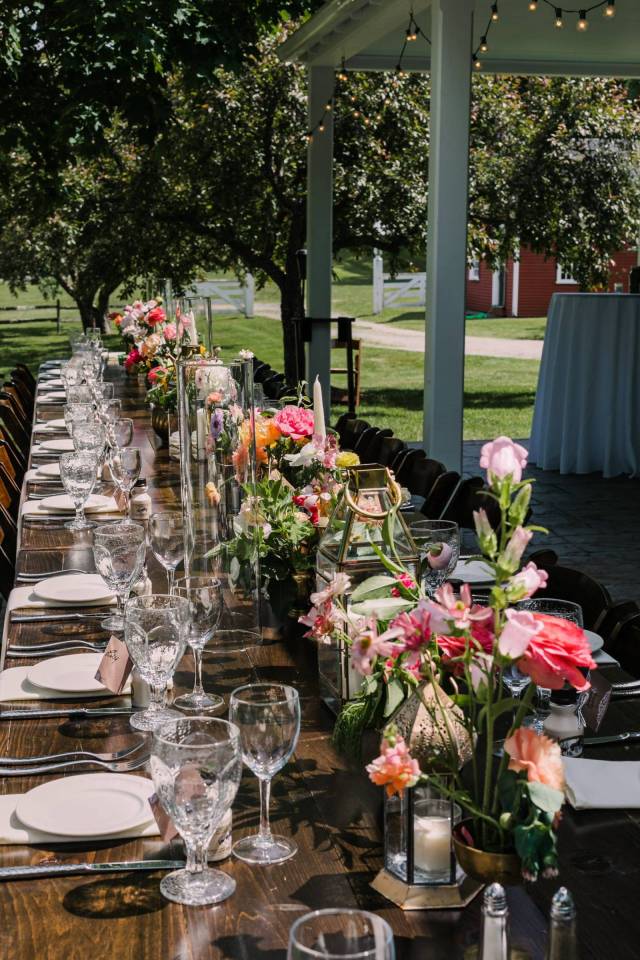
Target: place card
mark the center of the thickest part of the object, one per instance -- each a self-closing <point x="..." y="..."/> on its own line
<point x="115" y="666"/>
<point x="597" y="701"/>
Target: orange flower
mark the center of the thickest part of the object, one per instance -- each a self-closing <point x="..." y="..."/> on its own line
<point x="538" y="755"/>
<point x="395" y="769"/>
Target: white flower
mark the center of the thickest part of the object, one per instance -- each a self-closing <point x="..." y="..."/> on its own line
<point x="246" y="354"/>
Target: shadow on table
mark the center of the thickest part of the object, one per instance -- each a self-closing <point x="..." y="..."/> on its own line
<point x="113" y="898"/>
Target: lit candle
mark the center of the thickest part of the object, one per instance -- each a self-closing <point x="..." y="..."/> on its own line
<point x="319" y="429"/>
<point x="432" y="845"/>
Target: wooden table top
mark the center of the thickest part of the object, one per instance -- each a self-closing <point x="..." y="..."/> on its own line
<point x="332" y="811"/>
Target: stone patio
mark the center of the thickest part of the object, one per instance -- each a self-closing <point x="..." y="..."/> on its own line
<point x="593" y="523"/>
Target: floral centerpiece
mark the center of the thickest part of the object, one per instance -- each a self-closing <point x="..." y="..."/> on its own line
<point x="452" y="654"/>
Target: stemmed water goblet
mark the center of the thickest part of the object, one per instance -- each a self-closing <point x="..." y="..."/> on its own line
<point x="268" y="717"/>
<point x="110" y="411"/>
<point x="78" y="475"/>
<point x="156" y="628"/>
<point x="166" y="539"/>
<point x="337" y="934"/>
<point x="89" y="438"/>
<point x="118" y="553"/>
<point x="71" y="373"/>
<point x="438" y="543"/>
<point x="77" y="413"/>
<point x="125" y="464"/>
<point x="120" y="433"/>
<point x="101" y="393"/>
<point x="81" y="393"/>
<point x="196" y="765"/>
<point x="204" y="596"/>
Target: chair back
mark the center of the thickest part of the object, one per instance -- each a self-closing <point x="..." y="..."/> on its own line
<point x="421" y="474"/>
<point x="440" y="494"/>
<point x="471" y="494"/>
<point x="564" y="583"/>
<point x="11" y="425"/>
<point x="351" y="431"/>
<point x="367" y="444"/>
<point x="388" y="450"/>
<point x="7" y="572"/>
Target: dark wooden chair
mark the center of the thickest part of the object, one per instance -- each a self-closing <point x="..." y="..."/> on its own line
<point x="351" y="432"/>
<point x="10" y="393"/>
<point x="26" y="396"/>
<point x="471" y="494"/>
<point x="566" y="583"/>
<point x="366" y="445"/>
<point x="440" y="494"/>
<point x="273" y="385"/>
<point x="14" y="459"/>
<point x="342" y="424"/>
<point x="421" y="474"/>
<point x="389" y="448"/>
<point x="261" y="373"/>
<point x="9" y="491"/>
<point x="402" y="464"/>
<point x="12" y="426"/>
<point x="7" y="571"/>
<point x="24" y="372"/>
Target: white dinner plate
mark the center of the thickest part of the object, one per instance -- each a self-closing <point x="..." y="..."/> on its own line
<point x="55" y="395"/>
<point x="52" y="383"/>
<point x="49" y="470"/>
<point x="72" y="673"/>
<point x="60" y="445"/>
<point x="596" y="642"/>
<point x="59" y="424"/>
<point x="473" y="571"/>
<point x="87" y="805"/>
<point x="73" y="588"/>
<point x="62" y="503"/>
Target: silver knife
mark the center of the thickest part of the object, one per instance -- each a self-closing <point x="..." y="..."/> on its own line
<point x="614" y="738"/>
<point x="73" y="713"/>
<point x="43" y="617"/>
<point x="70" y="869"/>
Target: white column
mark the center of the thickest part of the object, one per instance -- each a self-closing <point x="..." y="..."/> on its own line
<point x="451" y="49"/>
<point x="319" y="229"/>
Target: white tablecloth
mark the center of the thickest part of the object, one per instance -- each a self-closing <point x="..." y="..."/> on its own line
<point x="587" y="409"/>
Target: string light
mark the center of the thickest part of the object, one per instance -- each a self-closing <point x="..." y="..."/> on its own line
<point x="610" y="9"/>
<point x="477" y="64"/>
<point x="559" y="20"/>
<point x="533" y="5"/>
<point x="494" y="12"/>
<point x="483" y="45"/>
<point x="582" y="24"/>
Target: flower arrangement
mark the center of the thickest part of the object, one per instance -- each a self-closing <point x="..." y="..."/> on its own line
<point x="452" y="654"/>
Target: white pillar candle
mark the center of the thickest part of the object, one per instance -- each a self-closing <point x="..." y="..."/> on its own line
<point x="319" y="429"/>
<point x="201" y="433"/>
<point x="432" y="845"/>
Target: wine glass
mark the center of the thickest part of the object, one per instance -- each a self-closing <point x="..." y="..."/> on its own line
<point x="101" y="392"/>
<point x="166" y="539"/>
<point x="438" y="543"/>
<point x="120" y="433"/>
<point x="268" y="717"/>
<point x="196" y="767"/>
<point x="77" y="413"/>
<point x="89" y="438"/>
<point x="155" y="632"/>
<point x="118" y="553"/>
<point x="339" y="934"/>
<point x="125" y="465"/>
<point x="81" y="393"/>
<point x="78" y="474"/>
<point x="71" y="373"/>
<point x="204" y="595"/>
<point x="110" y="411"/>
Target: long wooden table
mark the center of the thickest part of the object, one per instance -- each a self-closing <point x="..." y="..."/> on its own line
<point x="331" y="810"/>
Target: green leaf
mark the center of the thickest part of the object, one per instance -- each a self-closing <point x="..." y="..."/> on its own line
<point x="374" y="586"/>
<point x="383" y="608"/>
<point x="395" y="696"/>
<point x="545" y="797"/>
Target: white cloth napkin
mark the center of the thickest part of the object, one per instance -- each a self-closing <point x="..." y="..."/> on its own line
<point x="15" y="686"/>
<point x="12" y="831"/>
<point x="602" y="784"/>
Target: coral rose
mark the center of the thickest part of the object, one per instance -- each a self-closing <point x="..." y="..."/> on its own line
<point x="395" y="769"/>
<point x="556" y="653"/>
<point x="538" y="755"/>
<point x="157" y="315"/>
<point x="294" y="422"/>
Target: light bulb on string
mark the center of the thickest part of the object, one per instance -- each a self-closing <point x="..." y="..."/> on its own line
<point x="494" y="12"/>
<point x="321" y="127"/>
<point x="483" y="45"/>
<point x="610" y="9"/>
<point x="328" y="106"/>
<point x="477" y="63"/>
<point x="309" y="137"/>
<point x="533" y="5"/>
<point x="559" y="20"/>
<point x="582" y="24"/>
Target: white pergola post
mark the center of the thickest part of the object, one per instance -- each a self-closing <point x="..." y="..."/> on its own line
<point x="320" y="230"/>
<point x="451" y="49"/>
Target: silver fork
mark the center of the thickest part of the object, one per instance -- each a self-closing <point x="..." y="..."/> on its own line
<point x="36" y="577"/>
<point x="76" y="755"/>
<point x="69" y="648"/>
<point x="24" y="649"/>
<point x="116" y="767"/>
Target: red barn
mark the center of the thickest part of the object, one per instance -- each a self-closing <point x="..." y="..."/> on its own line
<point x="524" y="287"/>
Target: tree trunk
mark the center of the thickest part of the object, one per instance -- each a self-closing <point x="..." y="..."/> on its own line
<point x="90" y="315"/>
<point x="292" y="314"/>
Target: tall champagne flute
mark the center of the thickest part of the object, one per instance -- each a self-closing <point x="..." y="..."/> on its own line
<point x="125" y="465"/>
<point x="118" y="553"/>
<point x="337" y="934"/>
<point x="78" y="472"/>
<point x="166" y="539"/>
<point x="268" y="717"/>
<point x="196" y="767"/>
<point x="155" y="633"/>
<point x="204" y="595"/>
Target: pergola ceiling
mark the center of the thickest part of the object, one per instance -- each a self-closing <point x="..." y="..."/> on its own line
<point x="369" y="35"/>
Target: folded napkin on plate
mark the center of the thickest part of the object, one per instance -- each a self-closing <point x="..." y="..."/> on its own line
<point x="602" y="784"/>
<point x="13" y="832"/>
<point x="15" y="686"/>
<point x="45" y="428"/>
<point x="34" y="508"/>
<point x="25" y="597"/>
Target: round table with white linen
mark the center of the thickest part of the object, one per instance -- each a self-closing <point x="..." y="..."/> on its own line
<point x="587" y="410"/>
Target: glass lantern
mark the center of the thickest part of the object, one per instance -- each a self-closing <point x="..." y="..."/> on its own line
<point x="420" y="869"/>
<point x="366" y="522"/>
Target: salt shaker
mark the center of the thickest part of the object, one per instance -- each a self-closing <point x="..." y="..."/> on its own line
<point x="494" y="932"/>
<point x="140" y="501"/>
<point x="563" y="941"/>
<point x="564" y="722"/>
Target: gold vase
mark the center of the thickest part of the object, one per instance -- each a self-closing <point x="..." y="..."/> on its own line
<point x="160" y="423"/>
<point x="482" y="865"/>
<point x="304" y="582"/>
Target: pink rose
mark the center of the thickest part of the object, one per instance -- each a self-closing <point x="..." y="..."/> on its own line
<point x="555" y="654"/>
<point x="170" y="331"/>
<point x="538" y="755"/>
<point x="517" y="633"/>
<point x="294" y="422"/>
<point x="503" y="458"/>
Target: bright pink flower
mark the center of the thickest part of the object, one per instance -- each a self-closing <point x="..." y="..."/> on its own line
<point x="395" y="769"/>
<point x="157" y="315"/>
<point x="170" y="332"/>
<point x="517" y="633"/>
<point x="527" y="582"/>
<point x="338" y="585"/>
<point x="450" y="613"/>
<point x="294" y="422"/>
<point x="406" y="581"/>
<point x="556" y="652"/>
<point x="366" y="646"/>
<point x="502" y="458"/>
<point x="156" y="372"/>
<point x="133" y="357"/>
<point x="538" y="755"/>
<point x="453" y="647"/>
<point x="323" y="621"/>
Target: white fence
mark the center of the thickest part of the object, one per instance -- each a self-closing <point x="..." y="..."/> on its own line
<point x="237" y="295"/>
<point x="404" y="290"/>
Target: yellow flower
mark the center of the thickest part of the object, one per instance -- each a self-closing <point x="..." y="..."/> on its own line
<point x="347" y="458"/>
